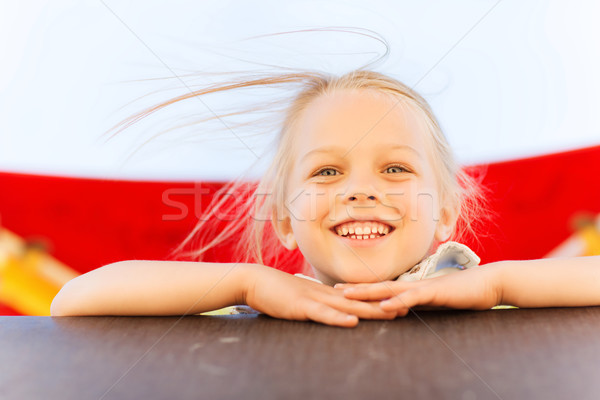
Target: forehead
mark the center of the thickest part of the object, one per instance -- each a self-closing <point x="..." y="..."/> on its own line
<point x="359" y="120"/>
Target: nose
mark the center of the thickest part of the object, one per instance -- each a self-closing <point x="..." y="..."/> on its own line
<point x="360" y="187"/>
<point x="361" y="192"/>
<point x="361" y="196"/>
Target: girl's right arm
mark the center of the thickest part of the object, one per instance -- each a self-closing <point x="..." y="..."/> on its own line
<point x="153" y="288"/>
<point x="180" y="288"/>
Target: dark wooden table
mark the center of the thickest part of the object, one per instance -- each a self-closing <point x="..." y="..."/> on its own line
<point x="499" y="354"/>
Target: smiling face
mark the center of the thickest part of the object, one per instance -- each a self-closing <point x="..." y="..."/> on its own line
<point x="362" y="198"/>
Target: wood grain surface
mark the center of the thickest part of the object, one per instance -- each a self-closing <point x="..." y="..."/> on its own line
<point x="499" y="354"/>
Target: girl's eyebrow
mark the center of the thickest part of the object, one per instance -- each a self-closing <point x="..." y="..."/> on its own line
<point x="403" y="147"/>
<point x="326" y="149"/>
<point x="339" y="149"/>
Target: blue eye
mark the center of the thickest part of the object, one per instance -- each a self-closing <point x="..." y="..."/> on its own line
<point x="327" y="172"/>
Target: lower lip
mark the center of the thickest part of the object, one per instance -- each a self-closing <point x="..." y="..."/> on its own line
<point x="363" y="242"/>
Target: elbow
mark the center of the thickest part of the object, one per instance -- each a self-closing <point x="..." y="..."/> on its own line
<point x="70" y="300"/>
<point x="60" y="303"/>
<point x="84" y="295"/>
<point x="56" y="309"/>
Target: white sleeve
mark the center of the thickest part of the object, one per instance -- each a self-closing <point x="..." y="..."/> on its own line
<point x="449" y="257"/>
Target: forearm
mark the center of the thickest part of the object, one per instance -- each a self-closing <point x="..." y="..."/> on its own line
<point x="555" y="282"/>
<point x="154" y="288"/>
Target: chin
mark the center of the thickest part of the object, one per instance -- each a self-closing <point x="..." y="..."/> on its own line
<point x="351" y="271"/>
<point x="364" y="277"/>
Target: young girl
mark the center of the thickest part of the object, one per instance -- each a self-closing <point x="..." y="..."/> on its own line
<point x="364" y="183"/>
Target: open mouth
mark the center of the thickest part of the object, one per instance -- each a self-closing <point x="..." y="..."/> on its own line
<point x="362" y="230"/>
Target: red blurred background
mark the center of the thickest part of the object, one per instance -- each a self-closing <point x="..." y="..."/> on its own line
<point x="87" y="223"/>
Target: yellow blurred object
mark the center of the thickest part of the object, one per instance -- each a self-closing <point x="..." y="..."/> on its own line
<point x="29" y="277"/>
<point x="591" y="237"/>
<point x="232" y="310"/>
<point x="585" y="241"/>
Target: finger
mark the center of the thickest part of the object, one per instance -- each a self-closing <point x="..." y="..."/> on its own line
<point x="409" y="299"/>
<point x="343" y="286"/>
<point x="325" y="314"/>
<point x="402" y="312"/>
<point x="375" y="291"/>
<point x="362" y="309"/>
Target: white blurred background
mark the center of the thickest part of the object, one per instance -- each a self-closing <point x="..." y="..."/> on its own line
<point x="507" y="79"/>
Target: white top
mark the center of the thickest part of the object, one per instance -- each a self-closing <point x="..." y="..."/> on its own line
<point x="449" y="257"/>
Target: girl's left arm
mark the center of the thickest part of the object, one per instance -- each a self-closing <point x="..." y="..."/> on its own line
<point x="551" y="282"/>
<point x="556" y="282"/>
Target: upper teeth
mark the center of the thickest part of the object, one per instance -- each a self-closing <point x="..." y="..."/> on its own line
<point x="362" y="229"/>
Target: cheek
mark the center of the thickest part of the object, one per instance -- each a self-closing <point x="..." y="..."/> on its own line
<point x="309" y="204"/>
<point x="423" y="212"/>
<point x="309" y="217"/>
<point x="425" y="206"/>
<point x="413" y="203"/>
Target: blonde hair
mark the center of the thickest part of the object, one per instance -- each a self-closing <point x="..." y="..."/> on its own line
<point x="254" y="204"/>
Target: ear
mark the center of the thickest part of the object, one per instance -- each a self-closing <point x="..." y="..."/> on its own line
<point x="283" y="229"/>
<point x="447" y="223"/>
